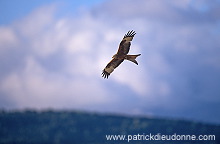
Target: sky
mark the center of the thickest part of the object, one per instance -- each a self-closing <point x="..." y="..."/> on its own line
<point x="52" y="54"/>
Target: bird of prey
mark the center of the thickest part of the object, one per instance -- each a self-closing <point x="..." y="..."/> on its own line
<point x="121" y="55"/>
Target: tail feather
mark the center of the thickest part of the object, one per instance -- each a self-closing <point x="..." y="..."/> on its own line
<point x="132" y="58"/>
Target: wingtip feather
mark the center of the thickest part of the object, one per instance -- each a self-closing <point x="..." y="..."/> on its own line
<point x="105" y="74"/>
<point x="130" y="34"/>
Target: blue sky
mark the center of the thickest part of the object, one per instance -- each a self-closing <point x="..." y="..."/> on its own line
<point x="13" y="10"/>
<point x="52" y="54"/>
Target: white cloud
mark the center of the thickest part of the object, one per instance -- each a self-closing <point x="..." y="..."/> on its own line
<point x="129" y="74"/>
<point x="8" y="38"/>
<point x="174" y="45"/>
<point x="34" y="87"/>
<point x="37" y="22"/>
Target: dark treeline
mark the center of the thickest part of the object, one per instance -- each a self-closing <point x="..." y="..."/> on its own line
<point x="89" y="128"/>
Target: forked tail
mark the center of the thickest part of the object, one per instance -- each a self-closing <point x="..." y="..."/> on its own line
<point x="132" y="58"/>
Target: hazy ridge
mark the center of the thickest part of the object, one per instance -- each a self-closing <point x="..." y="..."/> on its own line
<point x="82" y="128"/>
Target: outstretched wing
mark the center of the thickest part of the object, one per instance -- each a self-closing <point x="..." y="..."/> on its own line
<point x="114" y="63"/>
<point x="125" y="44"/>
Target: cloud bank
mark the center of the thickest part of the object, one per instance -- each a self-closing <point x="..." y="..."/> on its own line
<point x="53" y="61"/>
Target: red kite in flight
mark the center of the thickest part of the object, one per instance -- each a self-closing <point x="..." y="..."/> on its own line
<point x="121" y="55"/>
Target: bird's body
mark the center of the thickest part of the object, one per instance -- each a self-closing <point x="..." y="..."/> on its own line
<point x="121" y="55"/>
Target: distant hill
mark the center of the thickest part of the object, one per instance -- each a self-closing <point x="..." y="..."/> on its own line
<point x="88" y="128"/>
